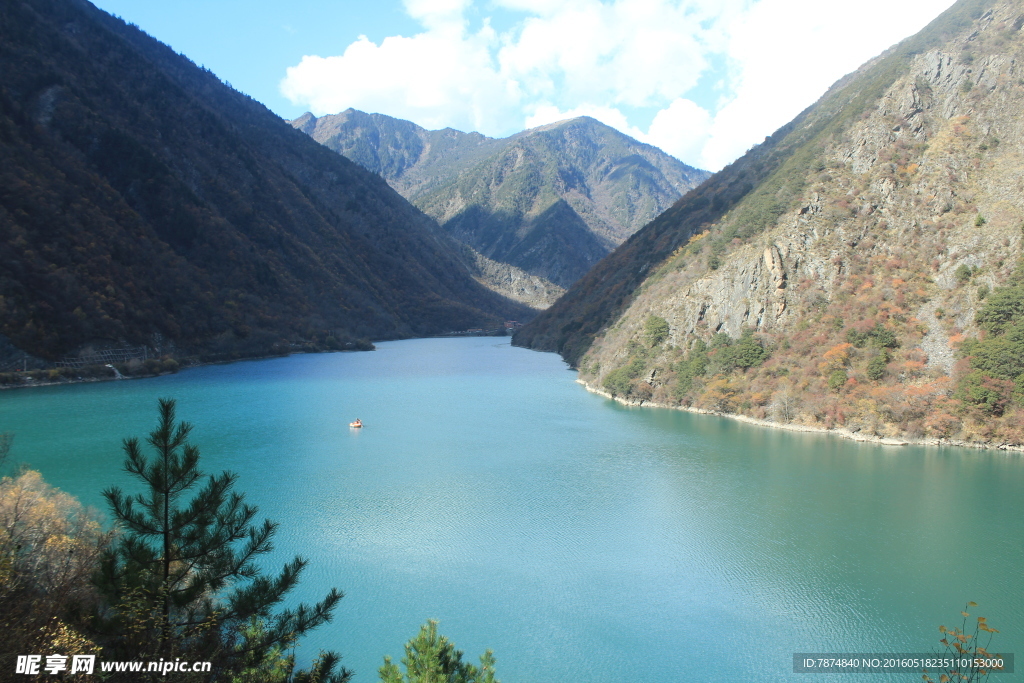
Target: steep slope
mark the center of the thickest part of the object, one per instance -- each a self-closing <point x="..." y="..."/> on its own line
<point x="142" y="201"/>
<point x="551" y="200"/>
<point x="837" y="275"/>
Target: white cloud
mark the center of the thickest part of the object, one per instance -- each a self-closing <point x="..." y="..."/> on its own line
<point x="631" y="52"/>
<point x="435" y="78"/>
<point x="566" y="58"/>
<point x="786" y="53"/>
<point x="436" y="13"/>
<point x="682" y="130"/>
<point x="563" y="53"/>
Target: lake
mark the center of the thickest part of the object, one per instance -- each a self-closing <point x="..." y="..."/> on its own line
<point x="579" y="539"/>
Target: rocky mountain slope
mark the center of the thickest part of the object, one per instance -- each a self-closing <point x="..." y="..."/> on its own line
<point x="857" y="271"/>
<point x="144" y="202"/>
<point x="550" y="201"/>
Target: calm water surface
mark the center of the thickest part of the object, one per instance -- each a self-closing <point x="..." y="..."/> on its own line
<point x="579" y="539"/>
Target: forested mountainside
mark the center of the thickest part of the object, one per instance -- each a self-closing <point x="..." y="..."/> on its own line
<point x="860" y="270"/>
<point x="550" y="201"/>
<point x="144" y="202"/>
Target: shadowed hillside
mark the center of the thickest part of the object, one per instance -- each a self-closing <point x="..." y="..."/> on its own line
<point x="145" y="202"/>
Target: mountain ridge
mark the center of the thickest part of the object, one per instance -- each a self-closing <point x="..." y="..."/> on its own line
<point x="551" y="200"/>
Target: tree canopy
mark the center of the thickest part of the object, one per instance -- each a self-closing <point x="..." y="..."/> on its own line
<point x="182" y="577"/>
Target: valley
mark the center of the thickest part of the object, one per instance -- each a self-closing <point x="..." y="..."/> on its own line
<point x="549" y="202"/>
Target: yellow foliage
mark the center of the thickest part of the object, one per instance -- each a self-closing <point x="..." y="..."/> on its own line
<point x="836" y="358"/>
<point x="49" y="545"/>
<point x="698" y="237"/>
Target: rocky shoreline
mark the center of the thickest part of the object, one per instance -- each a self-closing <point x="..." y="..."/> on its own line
<point x="793" y="427"/>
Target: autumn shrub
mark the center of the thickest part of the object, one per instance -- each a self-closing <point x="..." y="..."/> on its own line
<point x="49" y="549"/>
<point x="836" y="358"/>
<point x="719" y="395"/>
<point x="965" y="652"/>
<point x="941" y="422"/>
<point x="642" y="391"/>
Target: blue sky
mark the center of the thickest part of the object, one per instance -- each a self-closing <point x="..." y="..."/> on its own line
<point x="702" y="79"/>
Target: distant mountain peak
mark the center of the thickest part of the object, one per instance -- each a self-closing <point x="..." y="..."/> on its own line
<point x="551" y="200"/>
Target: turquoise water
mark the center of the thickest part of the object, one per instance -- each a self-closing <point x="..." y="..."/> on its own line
<point x="579" y="539"/>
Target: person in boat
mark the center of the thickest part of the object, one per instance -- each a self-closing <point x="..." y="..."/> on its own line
<point x="357" y="423"/>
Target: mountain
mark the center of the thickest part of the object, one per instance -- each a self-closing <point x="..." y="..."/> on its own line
<point x="858" y="271"/>
<point x="144" y="202"/>
<point x="551" y="201"/>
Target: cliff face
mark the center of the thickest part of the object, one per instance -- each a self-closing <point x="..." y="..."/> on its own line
<point x="142" y="201"/>
<point x="843" y="289"/>
<point x="550" y="201"/>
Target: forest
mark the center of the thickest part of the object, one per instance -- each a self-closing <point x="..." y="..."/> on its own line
<point x="145" y="202"/>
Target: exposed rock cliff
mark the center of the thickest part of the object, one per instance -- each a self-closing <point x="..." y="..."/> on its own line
<point x="837" y="289"/>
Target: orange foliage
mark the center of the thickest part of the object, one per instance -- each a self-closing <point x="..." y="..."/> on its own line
<point x="835" y="358"/>
<point x="913" y="368"/>
<point x="719" y="395"/>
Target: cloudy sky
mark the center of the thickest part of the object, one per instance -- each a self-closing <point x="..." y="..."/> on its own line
<point x="702" y="79"/>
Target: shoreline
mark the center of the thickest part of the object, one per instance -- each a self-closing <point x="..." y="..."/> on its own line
<point x="31" y="383"/>
<point x="843" y="433"/>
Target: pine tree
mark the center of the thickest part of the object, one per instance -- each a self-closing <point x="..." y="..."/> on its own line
<point x="432" y="658"/>
<point x="182" y="581"/>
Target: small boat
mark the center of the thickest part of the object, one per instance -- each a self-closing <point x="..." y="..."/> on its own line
<point x="356" y="425"/>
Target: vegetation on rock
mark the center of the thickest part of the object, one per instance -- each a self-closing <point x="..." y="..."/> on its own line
<point x="845" y="244"/>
